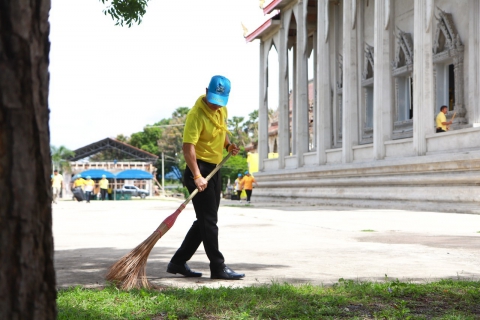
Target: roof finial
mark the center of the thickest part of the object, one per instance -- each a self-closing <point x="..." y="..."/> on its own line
<point x="245" y="30"/>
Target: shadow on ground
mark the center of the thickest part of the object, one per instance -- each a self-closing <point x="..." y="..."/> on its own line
<point x="88" y="267"/>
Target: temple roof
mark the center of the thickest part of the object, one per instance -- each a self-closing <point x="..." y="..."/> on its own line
<point x="276" y="5"/>
<point x="268" y="26"/>
<point x="109" y="144"/>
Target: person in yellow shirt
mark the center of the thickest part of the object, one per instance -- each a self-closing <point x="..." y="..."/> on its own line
<point x="79" y="182"/>
<point x="89" y="185"/>
<point x="78" y="186"/>
<point x="247" y="185"/>
<point x="57" y="185"/>
<point x="238" y="185"/>
<point x="103" y="183"/>
<point x="441" y="120"/>
<point x="204" y="138"/>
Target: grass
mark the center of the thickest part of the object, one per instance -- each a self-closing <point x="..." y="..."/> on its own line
<point x="368" y="230"/>
<point x="347" y="299"/>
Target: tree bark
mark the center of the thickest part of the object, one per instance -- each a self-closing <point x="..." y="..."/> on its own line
<point x="27" y="276"/>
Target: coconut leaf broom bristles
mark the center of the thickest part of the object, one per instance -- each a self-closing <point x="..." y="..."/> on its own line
<point x="130" y="271"/>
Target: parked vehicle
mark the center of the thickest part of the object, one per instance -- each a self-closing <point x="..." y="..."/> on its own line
<point x="133" y="191"/>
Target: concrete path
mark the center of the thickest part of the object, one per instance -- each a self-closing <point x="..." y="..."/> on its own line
<point x="285" y="244"/>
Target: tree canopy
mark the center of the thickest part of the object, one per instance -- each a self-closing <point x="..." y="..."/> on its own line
<point x="60" y="157"/>
<point x="125" y="12"/>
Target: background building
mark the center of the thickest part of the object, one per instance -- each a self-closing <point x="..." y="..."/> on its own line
<point x="382" y="69"/>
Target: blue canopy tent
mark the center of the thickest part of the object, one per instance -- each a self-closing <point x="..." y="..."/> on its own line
<point x="97" y="174"/>
<point x="132" y="174"/>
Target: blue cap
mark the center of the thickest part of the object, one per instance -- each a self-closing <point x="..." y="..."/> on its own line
<point x="88" y="177"/>
<point x="104" y="176"/>
<point x="246" y="172"/>
<point x="218" y="90"/>
<point x="239" y="174"/>
<point x="79" y="175"/>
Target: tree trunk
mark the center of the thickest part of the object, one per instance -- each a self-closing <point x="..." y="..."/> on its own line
<point x="27" y="276"/>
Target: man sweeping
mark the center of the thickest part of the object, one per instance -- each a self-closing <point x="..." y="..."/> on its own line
<point x="204" y="138"/>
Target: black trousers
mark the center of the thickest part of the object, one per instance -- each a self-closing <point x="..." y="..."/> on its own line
<point x="103" y="192"/>
<point x="440" y="130"/>
<point x="249" y="194"/>
<point x="88" y="195"/>
<point x="204" y="229"/>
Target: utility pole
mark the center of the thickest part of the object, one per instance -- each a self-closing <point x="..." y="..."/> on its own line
<point x="163" y="175"/>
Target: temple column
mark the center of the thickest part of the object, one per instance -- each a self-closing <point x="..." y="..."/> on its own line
<point x="474" y="62"/>
<point x="382" y="81"/>
<point x="323" y="103"/>
<point x="263" y="106"/>
<point x="423" y="94"/>
<point x="350" y="81"/>
<point x="301" y="85"/>
<point x="293" y="100"/>
<point x="283" y="141"/>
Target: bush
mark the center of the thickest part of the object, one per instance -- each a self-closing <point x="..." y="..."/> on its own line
<point x="183" y="190"/>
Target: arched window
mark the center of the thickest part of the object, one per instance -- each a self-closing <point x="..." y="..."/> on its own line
<point x="367" y="105"/>
<point x="448" y="68"/>
<point x="403" y="73"/>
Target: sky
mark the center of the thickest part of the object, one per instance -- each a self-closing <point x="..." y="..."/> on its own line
<point x="107" y="80"/>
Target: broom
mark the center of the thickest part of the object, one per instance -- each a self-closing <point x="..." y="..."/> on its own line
<point x="130" y="271"/>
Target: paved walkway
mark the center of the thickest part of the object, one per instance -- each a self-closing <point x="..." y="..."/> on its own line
<point x="285" y="244"/>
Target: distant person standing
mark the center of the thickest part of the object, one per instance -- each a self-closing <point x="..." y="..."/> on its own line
<point x="441" y="120"/>
<point x="103" y="186"/>
<point x="57" y="185"/>
<point x="89" y="185"/>
<point x="238" y="185"/>
<point x="247" y="184"/>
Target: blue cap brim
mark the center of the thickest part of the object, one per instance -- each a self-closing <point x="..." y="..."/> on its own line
<point x="217" y="99"/>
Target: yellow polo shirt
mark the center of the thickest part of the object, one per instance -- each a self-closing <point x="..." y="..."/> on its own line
<point x="441" y="118"/>
<point x="57" y="181"/>
<point x="103" y="183"/>
<point x="201" y="131"/>
<point x="89" y="185"/>
<point x="80" y="182"/>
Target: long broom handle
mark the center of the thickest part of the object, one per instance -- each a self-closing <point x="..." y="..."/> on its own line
<point x="208" y="178"/>
<point x="454" y="115"/>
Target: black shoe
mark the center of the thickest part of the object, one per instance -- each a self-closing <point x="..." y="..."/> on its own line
<point x="183" y="270"/>
<point x="227" y="274"/>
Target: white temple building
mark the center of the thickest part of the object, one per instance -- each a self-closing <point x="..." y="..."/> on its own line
<point x="381" y="71"/>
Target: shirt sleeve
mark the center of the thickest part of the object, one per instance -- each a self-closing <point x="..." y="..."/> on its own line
<point x="193" y="128"/>
<point x="438" y="121"/>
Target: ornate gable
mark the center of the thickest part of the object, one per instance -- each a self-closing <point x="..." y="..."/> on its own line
<point x="447" y="40"/>
<point x="404" y="54"/>
<point x="368" y="64"/>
